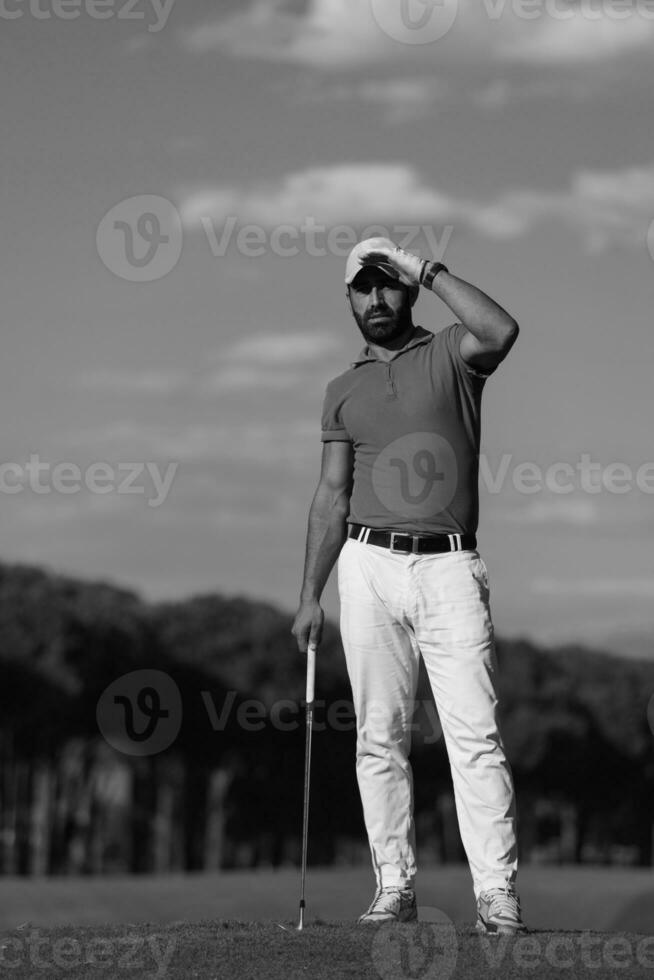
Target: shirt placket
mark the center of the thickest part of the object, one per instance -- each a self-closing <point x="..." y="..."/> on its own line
<point x="391" y="390"/>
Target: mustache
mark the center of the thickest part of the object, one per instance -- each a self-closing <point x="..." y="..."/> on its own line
<point x="377" y="311"/>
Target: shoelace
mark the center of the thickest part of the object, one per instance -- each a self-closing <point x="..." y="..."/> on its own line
<point x="504" y="902"/>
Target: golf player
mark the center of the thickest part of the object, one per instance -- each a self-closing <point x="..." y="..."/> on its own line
<point x="397" y="507"/>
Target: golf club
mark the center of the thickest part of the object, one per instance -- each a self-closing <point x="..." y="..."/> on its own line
<point x="311" y="676"/>
<point x="309" y="698"/>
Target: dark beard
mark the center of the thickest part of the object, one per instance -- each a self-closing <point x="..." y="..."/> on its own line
<point x="384" y="331"/>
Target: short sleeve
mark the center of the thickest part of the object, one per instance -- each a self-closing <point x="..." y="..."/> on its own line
<point x="333" y="428"/>
<point x="454" y="335"/>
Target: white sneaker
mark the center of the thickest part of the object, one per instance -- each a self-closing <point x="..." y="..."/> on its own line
<point x="392" y="904"/>
<point x="498" y="911"/>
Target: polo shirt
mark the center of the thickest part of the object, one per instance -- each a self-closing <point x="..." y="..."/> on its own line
<point x="414" y="423"/>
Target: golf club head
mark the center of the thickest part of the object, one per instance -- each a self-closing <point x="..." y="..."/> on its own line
<point x="298" y="928"/>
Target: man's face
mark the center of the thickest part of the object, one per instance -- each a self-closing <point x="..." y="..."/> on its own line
<point x="381" y="305"/>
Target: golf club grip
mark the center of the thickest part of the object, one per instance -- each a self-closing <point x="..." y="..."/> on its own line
<point x="311" y="672"/>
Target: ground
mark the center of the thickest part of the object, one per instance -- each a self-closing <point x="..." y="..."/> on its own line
<point x="326" y="951"/>
<point x="584" y="922"/>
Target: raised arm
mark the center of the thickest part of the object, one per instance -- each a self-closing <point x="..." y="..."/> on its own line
<point x="325" y="537"/>
<point x="490" y="331"/>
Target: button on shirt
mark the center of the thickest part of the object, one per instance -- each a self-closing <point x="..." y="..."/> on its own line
<point x="414" y="423"/>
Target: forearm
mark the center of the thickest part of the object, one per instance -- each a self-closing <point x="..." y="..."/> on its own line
<point x="481" y="315"/>
<point x="325" y="537"/>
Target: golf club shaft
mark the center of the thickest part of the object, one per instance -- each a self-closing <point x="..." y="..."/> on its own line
<point x="311" y="675"/>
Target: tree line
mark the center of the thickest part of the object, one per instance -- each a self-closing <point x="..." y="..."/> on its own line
<point x="227" y="791"/>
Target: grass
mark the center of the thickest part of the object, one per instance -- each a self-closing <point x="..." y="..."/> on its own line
<point x="585" y="922"/>
<point x="605" y="899"/>
<point x="323" y="951"/>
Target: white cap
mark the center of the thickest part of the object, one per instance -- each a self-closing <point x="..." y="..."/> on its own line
<point x="355" y="263"/>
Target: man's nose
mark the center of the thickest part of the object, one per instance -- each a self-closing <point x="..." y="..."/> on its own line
<point x="374" y="296"/>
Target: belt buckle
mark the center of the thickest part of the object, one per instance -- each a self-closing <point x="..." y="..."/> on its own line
<point x="400" y="534"/>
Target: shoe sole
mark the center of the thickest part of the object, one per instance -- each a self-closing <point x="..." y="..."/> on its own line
<point x="490" y="929"/>
<point x="391" y="918"/>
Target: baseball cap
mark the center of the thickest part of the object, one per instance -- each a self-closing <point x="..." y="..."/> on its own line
<point x="355" y="262"/>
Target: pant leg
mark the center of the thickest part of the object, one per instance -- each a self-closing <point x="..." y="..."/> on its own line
<point x="382" y="664"/>
<point x="453" y="627"/>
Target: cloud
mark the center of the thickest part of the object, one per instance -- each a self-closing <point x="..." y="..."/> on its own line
<point x="260" y="443"/>
<point x="54" y="510"/>
<point x="331" y="34"/>
<point x="277" y="361"/>
<point x="342" y="193"/>
<point x="147" y="382"/>
<point x="274" y="360"/>
<point x="498" y="93"/>
<point x="605" y="207"/>
<point x="336" y="35"/>
<point x="587" y="33"/>
<point x="402" y="99"/>
<point x="281" y="348"/>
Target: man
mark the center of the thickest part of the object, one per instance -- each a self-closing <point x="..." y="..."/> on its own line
<point x="397" y="505"/>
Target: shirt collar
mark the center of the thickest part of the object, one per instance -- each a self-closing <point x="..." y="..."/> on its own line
<point x="418" y="337"/>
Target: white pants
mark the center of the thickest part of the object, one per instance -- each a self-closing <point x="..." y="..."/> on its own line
<point x="394" y="608"/>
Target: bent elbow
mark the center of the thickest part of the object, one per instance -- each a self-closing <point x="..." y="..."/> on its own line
<point x="510" y="335"/>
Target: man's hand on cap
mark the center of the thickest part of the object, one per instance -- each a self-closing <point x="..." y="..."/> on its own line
<point x="408" y="266"/>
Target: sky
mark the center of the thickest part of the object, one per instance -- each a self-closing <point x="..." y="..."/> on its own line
<point x="180" y="185"/>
